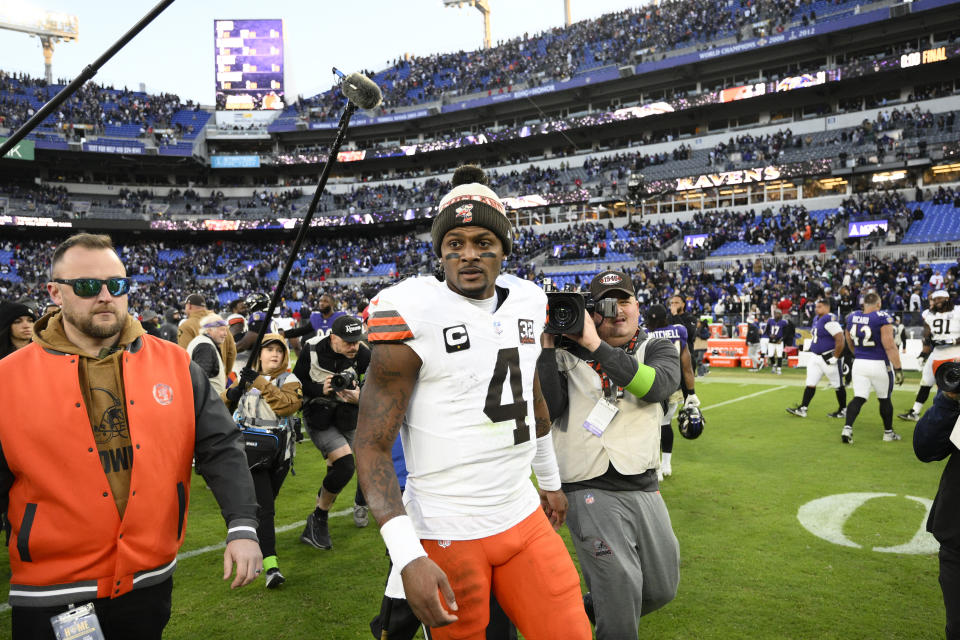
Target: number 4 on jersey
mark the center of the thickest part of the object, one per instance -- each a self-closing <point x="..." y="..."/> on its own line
<point x="508" y="362"/>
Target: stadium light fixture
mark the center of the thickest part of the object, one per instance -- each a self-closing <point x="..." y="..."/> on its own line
<point x="50" y="26"/>
<point x="483" y="7"/>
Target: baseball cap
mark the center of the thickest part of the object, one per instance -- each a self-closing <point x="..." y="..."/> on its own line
<point x="939" y="293"/>
<point x="270" y="338"/>
<point x="347" y="328"/>
<point x="607" y="281"/>
<point x="149" y="315"/>
<point x="196" y="299"/>
<point x="655" y="314"/>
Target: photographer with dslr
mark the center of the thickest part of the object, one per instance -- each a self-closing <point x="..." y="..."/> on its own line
<point x="331" y="370"/>
<point x="932" y="441"/>
<point x="606" y="395"/>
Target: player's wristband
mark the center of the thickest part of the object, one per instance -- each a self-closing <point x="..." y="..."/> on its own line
<point x="545" y="464"/>
<point x="402" y="541"/>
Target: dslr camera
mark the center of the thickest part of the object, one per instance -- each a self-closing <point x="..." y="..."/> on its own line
<point x="948" y="377"/>
<point x="566" y="311"/>
<point x="343" y="380"/>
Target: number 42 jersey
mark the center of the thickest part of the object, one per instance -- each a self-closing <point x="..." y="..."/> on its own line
<point x="469" y="433"/>
<point x="865" y="330"/>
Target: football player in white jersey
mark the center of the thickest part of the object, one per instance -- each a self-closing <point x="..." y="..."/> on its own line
<point x="941" y="337"/>
<point x="453" y="371"/>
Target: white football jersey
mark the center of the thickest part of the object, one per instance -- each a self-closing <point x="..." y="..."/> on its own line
<point x="944" y="326"/>
<point x="469" y="433"/>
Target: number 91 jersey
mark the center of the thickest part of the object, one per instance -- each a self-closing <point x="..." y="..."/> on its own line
<point x="468" y="434"/>
<point x="944" y="326"/>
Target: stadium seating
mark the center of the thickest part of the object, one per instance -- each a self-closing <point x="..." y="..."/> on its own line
<point x="940" y="223"/>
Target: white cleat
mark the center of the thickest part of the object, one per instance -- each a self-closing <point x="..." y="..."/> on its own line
<point x="847" y="434"/>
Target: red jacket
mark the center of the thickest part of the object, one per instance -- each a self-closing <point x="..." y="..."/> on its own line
<point x="66" y="530"/>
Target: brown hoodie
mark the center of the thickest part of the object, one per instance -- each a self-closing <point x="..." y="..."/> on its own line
<point x="281" y="401"/>
<point x="101" y="382"/>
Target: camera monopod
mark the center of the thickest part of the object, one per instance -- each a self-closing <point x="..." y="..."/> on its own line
<point x="360" y="91"/>
<point x="88" y="72"/>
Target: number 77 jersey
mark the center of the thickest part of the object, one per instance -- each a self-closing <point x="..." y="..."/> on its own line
<point x="468" y="434"/>
<point x="864" y="331"/>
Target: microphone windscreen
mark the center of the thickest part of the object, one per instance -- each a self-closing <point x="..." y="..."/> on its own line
<point x="361" y="91"/>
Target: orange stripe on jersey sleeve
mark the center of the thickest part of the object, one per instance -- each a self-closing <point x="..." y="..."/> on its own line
<point x="384" y="322"/>
<point x="388" y="326"/>
<point x="390" y="336"/>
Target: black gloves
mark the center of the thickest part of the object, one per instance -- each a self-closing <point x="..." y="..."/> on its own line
<point x="234" y="393"/>
<point x="247" y="376"/>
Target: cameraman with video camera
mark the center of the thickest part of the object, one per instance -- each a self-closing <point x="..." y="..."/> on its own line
<point x="605" y="394"/>
<point x="331" y="370"/>
<point x="936" y="437"/>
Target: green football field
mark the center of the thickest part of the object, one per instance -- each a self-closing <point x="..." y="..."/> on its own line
<point x="784" y="533"/>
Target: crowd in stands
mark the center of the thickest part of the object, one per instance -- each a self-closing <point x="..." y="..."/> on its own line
<point x="92" y="104"/>
<point x="942" y="195"/>
<point x="225" y="270"/>
<point x="791" y="228"/>
<point x="750" y="148"/>
<point x="562" y="52"/>
<point x="37" y="196"/>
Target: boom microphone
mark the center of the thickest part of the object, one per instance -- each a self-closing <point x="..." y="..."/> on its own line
<point x="361" y="91"/>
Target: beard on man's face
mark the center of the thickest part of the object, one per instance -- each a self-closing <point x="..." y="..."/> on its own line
<point x="88" y="323"/>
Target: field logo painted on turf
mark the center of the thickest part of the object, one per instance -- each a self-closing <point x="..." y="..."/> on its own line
<point x="825" y="517"/>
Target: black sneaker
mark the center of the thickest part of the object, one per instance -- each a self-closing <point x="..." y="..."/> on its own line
<point x="274" y="578"/>
<point x="839" y="413"/>
<point x="316" y="534"/>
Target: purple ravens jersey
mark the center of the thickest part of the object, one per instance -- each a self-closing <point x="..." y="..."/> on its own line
<point x="864" y="331"/>
<point x="774" y="329"/>
<point x="323" y="325"/>
<point x="675" y="333"/>
<point x="824" y="328"/>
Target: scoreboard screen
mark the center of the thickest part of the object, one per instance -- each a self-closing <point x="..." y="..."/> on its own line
<point x="249" y="64"/>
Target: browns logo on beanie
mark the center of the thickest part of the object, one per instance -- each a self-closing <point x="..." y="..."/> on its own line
<point x="471" y="203"/>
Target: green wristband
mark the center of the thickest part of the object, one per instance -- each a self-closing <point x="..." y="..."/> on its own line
<point x="642" y="381"/>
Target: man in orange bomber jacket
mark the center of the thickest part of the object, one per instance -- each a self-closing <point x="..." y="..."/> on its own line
<point x="95" y="472"/>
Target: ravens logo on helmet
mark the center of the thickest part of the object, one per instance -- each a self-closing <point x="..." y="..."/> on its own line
<point x="690" y="422"/>
<point x="257" y="302"/>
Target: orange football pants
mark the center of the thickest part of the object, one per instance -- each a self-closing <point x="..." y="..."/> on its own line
<point x="531" y="574"/>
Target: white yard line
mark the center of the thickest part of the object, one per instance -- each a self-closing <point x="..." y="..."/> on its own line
<point x="751" y="395"/>
<point x="214" y="547"/>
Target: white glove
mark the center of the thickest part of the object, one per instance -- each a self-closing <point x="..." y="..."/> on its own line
<point x="692" y="401"/>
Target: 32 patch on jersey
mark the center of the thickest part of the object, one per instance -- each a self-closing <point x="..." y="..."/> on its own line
<point x="455" y="338"/>
<point x="527" y="332"/>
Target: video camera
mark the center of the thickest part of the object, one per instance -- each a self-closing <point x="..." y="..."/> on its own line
<point x="948" y="377"/>
<point x="566" y="311"/>
<point x="342" y="381"/>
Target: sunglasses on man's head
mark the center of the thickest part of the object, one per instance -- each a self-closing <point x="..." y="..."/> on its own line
<point x="90" y="287"/>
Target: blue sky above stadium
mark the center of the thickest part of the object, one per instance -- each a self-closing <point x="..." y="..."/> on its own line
<point x="175" y="53"/>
